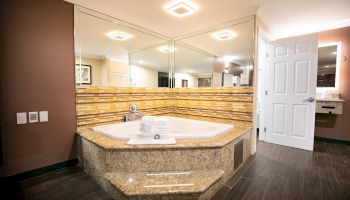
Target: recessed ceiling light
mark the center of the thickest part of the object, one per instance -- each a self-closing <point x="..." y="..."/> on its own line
<point x="141" y="61"/>
<point x="334" y="53"/>
<point x="166" y="49"/>
<point x="181" y="8"/>
<point x="326" y="66"/>
<point x="227" y="58"/>
<point x="118" y="35"/>
<point x="224" y="35"/>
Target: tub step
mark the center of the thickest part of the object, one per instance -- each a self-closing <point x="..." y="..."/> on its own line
<point x="188" y="184"/>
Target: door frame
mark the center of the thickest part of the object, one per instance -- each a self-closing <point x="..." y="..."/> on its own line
<point x="261" y="85"/>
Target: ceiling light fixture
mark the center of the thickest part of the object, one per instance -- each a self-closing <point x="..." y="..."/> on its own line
<point x="118" y="35"/>
<point x="326" y="66"/>
<point x="334" y="53"/>
<point x="224" y="35"/>
<point x="141" y="61"/>
<point x="166" y="49"/>
<point x="228" y="58"/>
<point x="181" y="8"/>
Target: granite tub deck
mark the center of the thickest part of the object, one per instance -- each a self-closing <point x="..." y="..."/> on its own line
<point x="190" y="169"/>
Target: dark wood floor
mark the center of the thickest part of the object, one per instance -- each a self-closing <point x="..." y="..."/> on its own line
<point x="285" y="173"/>
<point x="275" y="172"/>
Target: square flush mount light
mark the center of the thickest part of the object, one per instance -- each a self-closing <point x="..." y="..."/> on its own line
<point x="166" y="49"/>
<point x="118" y="35"/>
<point x="224" y="35"/>
<point x="181" y="8"/>
<point x="228" y="58"/>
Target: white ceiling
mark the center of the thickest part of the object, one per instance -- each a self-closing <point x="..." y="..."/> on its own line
<point x="283" y="18"/>
<point x="286" y="18"/>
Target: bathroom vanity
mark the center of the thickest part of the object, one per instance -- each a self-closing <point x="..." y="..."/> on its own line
<point x="329" y="106"/>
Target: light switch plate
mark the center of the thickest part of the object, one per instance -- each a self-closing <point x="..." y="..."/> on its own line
<point x="33" y="117"/>
<point x="44" y="116"/>
<point x="22" y="118"/>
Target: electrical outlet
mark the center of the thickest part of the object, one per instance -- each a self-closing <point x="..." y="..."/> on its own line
<point x="44" y="116"/>
<point x="33" y="117"/>
<point x="21" y="118"/>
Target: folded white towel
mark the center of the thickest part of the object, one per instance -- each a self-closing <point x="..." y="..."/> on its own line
<point x="161" y="126"/>
<point x="146" y="129"/>
<point x="160" y="121"/>
<point x="161" y="132"/>
<point x="148" y="119"/>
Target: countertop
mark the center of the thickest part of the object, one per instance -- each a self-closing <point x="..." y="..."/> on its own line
<point x="240" y="128"/>
<point x="332" y="100"/>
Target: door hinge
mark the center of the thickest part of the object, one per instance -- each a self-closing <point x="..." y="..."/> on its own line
<point x="264" y="129"/>
<point x="265" y="92"/>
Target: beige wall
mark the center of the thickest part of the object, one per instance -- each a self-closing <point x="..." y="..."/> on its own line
<point x="118" y="74"/>
<point x="144" y="76"/>
<point x="191" y="80"/>
<point x="107" y="72"/>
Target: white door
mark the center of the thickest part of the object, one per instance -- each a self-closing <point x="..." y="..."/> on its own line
<point x="291" y="89"/>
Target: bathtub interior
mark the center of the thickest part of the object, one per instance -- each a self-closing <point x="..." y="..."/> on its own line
<point x="180" y="128"/>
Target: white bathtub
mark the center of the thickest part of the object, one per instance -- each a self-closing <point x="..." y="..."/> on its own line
<point x="180" y="128"/>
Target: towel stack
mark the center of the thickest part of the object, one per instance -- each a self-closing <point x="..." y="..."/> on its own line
<point x="161" y="126"/>
<point x="154" y="130"/>
<point x="151" y="126"/>
<point x="146" y="128"/>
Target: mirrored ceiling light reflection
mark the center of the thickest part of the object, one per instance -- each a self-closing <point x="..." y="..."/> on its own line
<point x="224" y="35"/>
<point x="228" y="58"/>
<point x="166" y="49"/>
<point x="119" y="35"/>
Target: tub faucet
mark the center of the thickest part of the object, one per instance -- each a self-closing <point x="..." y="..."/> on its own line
<point x="133" y="108"/>
<point x="133" y="113"/>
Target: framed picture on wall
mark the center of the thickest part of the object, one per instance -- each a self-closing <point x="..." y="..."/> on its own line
<point x="83" y="74"/>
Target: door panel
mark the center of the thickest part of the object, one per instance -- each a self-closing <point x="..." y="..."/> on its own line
<point x="279" y="116"/>
<point x="299" y="121"/>
<point x="280" y="77"/>
<point x="302" y="68"/>
<point x="291" y="75"/>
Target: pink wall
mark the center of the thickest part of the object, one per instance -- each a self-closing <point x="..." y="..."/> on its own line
<point x="37" y="73"/>
<point x="338" y="126"/>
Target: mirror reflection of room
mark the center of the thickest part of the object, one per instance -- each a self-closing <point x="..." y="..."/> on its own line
<point x="110" y="52"/>
<point x="327" y="66"/>
<point x="216" y="57"/>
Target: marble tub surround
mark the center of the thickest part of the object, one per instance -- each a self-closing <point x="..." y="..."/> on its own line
<point x="105" y="142"/>
<point x="158" y="183"/>
<point x="107" y="160"/>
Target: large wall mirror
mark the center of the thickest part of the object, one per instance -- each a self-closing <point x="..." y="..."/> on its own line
<point x="111" y="52"/>
<point x="220" y="56"/>
<point x="328" y="66"/>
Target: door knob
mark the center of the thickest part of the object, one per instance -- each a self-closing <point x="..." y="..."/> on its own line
<point x="310" y="99"/>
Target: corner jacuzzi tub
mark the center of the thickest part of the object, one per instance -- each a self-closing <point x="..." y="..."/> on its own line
<point x="180" y="128"/>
